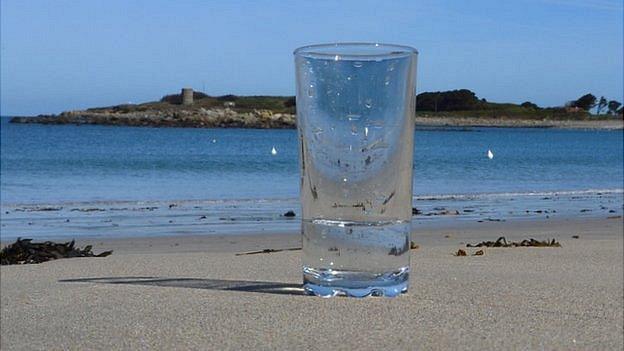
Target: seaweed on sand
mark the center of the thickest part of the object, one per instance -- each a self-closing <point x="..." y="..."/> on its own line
<point x="502" y="242"/>
<point x="393" y="251"/>
<point x="24" y="251"/>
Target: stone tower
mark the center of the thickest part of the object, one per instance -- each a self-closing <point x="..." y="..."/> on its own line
<point x="187" y="96"/>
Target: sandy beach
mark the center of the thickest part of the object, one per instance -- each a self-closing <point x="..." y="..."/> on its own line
<point x="193" y="292"/>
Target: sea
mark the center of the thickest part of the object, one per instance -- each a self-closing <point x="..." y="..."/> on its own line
<point x="89" y="180"/>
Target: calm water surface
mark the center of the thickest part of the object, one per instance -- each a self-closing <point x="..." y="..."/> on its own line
<point x="49" y="164"/>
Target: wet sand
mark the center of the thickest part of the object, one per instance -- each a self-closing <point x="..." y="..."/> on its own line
<point x="193" y="292"/>
<point x="64" y="221"/>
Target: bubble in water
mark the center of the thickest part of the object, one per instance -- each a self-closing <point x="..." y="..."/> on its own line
<point x="349" y="78"/>
<point x="317" y="131"/>
<point x="357" y="64"/>
<point x="311" y="90"/>
<point x="368" y="103"/>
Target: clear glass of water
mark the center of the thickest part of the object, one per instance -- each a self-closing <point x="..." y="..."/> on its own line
<point x="355" y="118"/>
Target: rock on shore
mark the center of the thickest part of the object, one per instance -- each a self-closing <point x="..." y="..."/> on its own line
<point x="197" y="118"/>
<point x="267" y="119"/>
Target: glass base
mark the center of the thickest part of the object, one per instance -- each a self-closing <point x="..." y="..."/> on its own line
<point x="330" y="283"/>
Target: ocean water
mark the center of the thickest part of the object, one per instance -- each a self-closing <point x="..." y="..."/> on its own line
<point x="49" y="164"/>
<point x="106" y="167"/>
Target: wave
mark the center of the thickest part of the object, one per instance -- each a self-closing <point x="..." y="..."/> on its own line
<point x="165" y="202"/>
<point x="295" y="200"/>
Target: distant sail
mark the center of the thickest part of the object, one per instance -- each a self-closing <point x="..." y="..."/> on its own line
<point x="490" y="155"/>
<point x="273" y="151"/>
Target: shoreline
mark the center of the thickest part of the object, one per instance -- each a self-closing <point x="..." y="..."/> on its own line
<point x="193" y="292"/>
<point x="180" y="218"/>
<point x="449" y="232"/>
<point x="471" y="122"/>
<point x="266" y="119"/>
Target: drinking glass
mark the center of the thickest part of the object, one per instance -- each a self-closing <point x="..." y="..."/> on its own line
<point x="355" y="120"/>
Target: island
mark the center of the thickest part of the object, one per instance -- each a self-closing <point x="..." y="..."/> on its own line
<point x="456" y="108"/>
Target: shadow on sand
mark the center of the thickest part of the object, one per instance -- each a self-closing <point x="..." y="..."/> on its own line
<point x="196" y="283"/>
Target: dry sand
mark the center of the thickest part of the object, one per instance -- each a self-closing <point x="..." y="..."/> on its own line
<point x="194" y="293"/>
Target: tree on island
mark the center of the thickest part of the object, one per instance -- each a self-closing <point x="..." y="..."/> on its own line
<point x="602" y="104"/>
<point x="290" y="102"/>
<point x="529" y="104"/>
<point x="613" y="106"/>
<point x="455" y="100"/>
<point x="585" y="102"/>
<point x="227" y="98"/>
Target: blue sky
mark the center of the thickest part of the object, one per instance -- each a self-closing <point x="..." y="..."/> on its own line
<point x="61" y="55"/>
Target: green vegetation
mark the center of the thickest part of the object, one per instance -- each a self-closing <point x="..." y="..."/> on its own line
<point x="241" y="103"/>
<point x="454" y="100"/>
<point x="589" y="101"/>
<point x="454" y="103"/>
<point x="465" y="103"/>
<point x="585" y="102"/>
<point x="613" y="107"/>
<point x="276" y="104"/>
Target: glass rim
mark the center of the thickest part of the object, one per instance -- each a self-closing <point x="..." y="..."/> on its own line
<point x="341" y="50"/>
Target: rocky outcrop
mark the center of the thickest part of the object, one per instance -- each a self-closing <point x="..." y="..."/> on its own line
<point x="266" y="119"/>
<point x="196" y="118"/>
